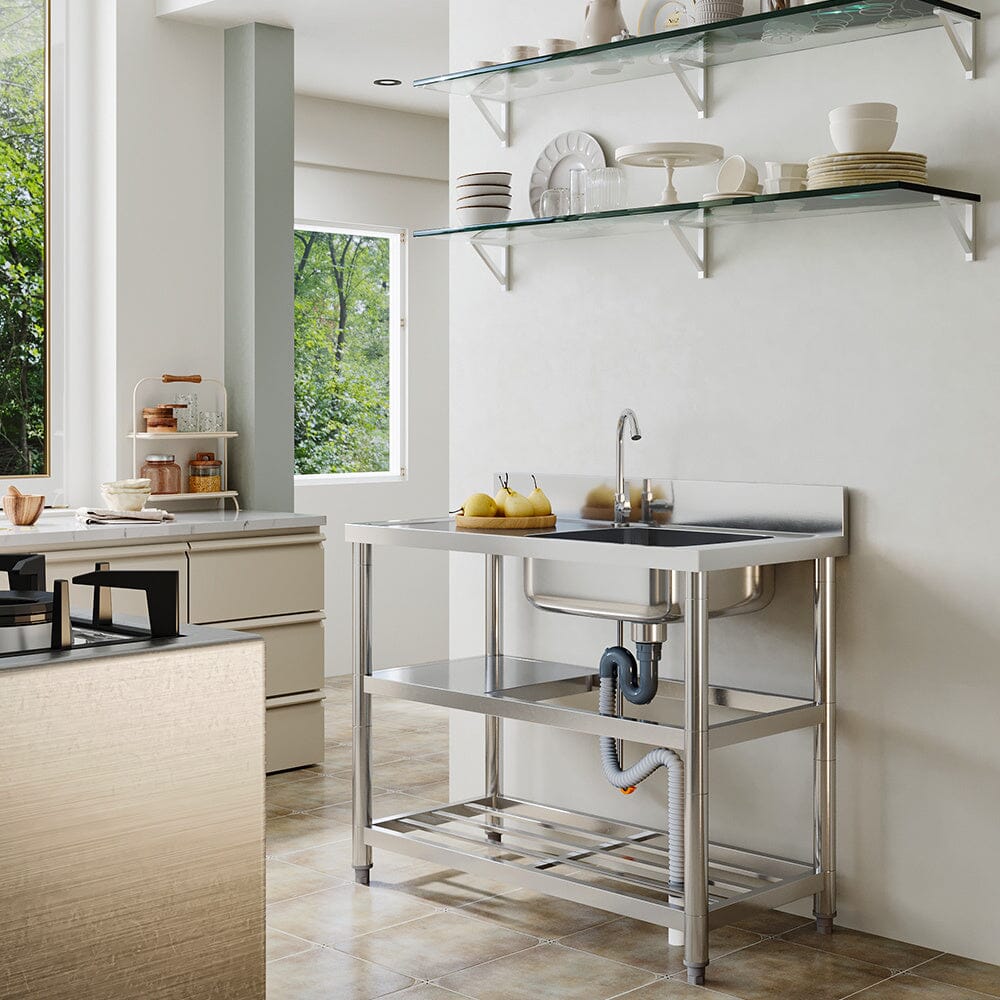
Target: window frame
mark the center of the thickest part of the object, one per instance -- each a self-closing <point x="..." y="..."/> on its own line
<point x="398" y="355"/>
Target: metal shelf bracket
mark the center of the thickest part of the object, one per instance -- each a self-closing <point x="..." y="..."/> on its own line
<point x="965" y="48"/>
<point x="498" y="120"/>
<point x="961" y="216"/>
<point x="500" y="269"/>
<point x="697" y="90"/>
<point x="697" y="251"/>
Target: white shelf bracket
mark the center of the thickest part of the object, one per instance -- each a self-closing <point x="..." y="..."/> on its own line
<point x="499" y="269"/>
<point x="698" y="251"/>
<point x="697" y="90"/>
<point x="961" y="216"/>
<point x="965" y="48"/>
<point x="498" y="120"/>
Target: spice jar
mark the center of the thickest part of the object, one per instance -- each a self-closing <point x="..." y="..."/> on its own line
<point x="163" y="473"/>
<point x="205" y="473"/>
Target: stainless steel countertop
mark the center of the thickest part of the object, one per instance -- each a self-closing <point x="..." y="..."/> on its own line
<point x="802" y="522"/>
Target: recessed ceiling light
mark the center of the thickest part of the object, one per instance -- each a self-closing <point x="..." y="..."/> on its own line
<point x="388" y="82"/>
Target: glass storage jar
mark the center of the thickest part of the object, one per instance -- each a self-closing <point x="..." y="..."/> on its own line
<point x="205" y="473"/>
<point x="163" y="473"/>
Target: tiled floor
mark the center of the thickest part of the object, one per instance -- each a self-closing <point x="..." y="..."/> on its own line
<point x="419" y="933"/>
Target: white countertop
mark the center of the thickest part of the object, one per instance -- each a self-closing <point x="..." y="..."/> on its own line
<point x="61" y="529"/>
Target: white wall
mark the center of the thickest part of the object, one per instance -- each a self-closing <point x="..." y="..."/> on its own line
<point x="346" y="158"/>
<point x="859" y="351"/>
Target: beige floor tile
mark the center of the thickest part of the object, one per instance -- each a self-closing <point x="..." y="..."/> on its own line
<point x="776" y="969"/>
<point x="426" y="991"/>
<point x="313" y="792"/>
<point x="645" y="945"/>
<point x="286" y="881"/>
<point x="281" y="945"/>
<point x="408" y="774"/>
<point x="286" y="777"/>
<point x="439" y="792"/>
<point x="895" y="955"/>
<point x="437" y="945"/>
<point x="549" y="971"/>
<point x="963" y="972"/>
<point x="321" y="974"/>
<point x="910" y="987"/>
<point x="770" y="922"/>
<point x="298" y="831"/>
<point x="385" y="804"/>
<point x="335" y="915"/>
<point x="409" y="744"/>
<point x="671" y="989"/>
<point x="339" y="758"/>
<point x="536" y="914"/>
<point x="339" y="729"/>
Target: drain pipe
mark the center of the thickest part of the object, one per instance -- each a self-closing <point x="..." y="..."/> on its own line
<point x="619" y="666"/>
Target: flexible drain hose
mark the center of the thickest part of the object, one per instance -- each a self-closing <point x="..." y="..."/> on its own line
<point x="640" y="771"/>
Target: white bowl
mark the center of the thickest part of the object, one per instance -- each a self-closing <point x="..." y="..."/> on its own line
<point x="484" y="63"/>
<point x="784" y="185"/>
<point x="736" y="174"/>
<point x="550" y="46"/>
<point x="518" y="53"/>
<point x="498" y="177"/>
<point x="863" y="135"/>
<point x="473" y="190"/>
<point x="484" y="201"/>
<point x="126" y="500"/>
<point x="483" y="215"/>
<point x="786" y="171"/>
<point x="886" y="112"/>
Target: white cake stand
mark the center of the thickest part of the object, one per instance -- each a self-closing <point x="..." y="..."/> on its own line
<point x="670" y="155"/>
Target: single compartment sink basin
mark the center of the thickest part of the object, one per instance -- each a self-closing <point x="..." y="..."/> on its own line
<point x="659" y="537"/>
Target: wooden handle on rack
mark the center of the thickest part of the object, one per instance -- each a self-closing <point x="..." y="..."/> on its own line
<point x="182" y="378"/>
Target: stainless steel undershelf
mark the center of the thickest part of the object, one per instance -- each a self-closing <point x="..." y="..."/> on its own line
<point x="591" y="860"/>
<point x="512" y="687"/>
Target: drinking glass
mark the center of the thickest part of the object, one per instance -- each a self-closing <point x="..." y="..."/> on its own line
<point x="606" y="189"/>
<point x="578" y="191"/>
<point x="555" y="202"/>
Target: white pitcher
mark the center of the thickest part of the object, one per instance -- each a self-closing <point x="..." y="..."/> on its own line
<point x="604" y="20"/>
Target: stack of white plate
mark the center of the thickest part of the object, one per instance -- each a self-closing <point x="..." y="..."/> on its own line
<point x="708" y="11"/>
<point x="483" y="198"/>
<point x="849" y="169"/>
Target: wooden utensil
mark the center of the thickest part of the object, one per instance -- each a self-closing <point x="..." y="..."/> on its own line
<point x="22" y="509"/>
<point x="183" y="378"/>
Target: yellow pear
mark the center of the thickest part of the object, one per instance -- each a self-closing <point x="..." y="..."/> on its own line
<point x="539" y="501"/>
<point x="480" y="505"/>
<point x="517" y="505"/>
<point x="601" y="496"/>
<point x="503" y="494"/>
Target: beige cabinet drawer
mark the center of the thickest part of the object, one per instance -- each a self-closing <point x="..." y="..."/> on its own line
<point x="295" y="651"/>
<point x="293" y="732"/>
<point x="255" y="578"/>
<point x="64" y="565"/>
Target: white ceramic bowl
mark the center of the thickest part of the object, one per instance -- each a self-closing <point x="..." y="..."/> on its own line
<point x="863" y="135"/>
<point x="484" y="63"/>
<point x="517" y="53"/>
<point x="483" y="215"/>
<point x="784" y="185"/>
<point x="474" y="190"/>
<point x="550" y="46"/>
<point x="125" y="500"/>
<point x="887" y="112"/>
<point x="485" y="201"/>
<point x="736" y="174"/>
<point x="786" y="171"/>
<point x="706" y="12"/>
<point x="498" y="177"/>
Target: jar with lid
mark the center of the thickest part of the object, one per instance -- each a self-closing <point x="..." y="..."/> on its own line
<point x="205" y="473"/>
<point x="163" y="473"/>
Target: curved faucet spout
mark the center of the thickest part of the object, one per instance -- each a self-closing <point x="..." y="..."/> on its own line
<point x="623" y="505"/>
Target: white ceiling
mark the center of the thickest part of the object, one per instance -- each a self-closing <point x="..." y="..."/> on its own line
<point x="342" y="45"/>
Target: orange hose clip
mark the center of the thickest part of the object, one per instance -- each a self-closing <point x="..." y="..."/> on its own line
<point x="627" y="791"/>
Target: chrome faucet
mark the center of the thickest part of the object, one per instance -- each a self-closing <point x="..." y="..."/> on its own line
<point x="623" y="505"/>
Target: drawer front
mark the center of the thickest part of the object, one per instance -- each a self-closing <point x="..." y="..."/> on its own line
<point x="67" y="564"/>
<point x="293" y="735"/>
<point x="295" y="651"/>
<point x="255" y="578"/>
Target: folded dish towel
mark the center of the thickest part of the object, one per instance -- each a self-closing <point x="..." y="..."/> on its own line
<point x="90" y="515"/>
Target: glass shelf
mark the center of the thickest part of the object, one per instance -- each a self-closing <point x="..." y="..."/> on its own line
<point x="820" y="24"/>
<point x="708" y="215"/>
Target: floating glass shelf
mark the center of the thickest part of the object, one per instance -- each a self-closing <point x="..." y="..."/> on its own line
<point x="959" y="207"/>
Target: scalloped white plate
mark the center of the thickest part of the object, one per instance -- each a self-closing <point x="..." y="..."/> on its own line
<point x="566" y="152"/>
<point x="665" y="15"/>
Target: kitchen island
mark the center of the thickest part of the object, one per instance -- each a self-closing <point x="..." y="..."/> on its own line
<point x="250" y="571"/>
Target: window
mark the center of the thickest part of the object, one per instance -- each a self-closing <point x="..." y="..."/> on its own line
<point x="24" y="349"/>
<point x="349" y="352"/>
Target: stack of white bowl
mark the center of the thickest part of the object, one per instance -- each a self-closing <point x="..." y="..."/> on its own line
<point x="126" y="494"/>
<point x="785" y="178"/>
<point x="864" y="128"/>
<point x="483" y="198"/>
<point x="707" y="11"/>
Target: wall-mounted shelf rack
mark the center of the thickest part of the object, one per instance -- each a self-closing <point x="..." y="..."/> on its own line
<point x="690" y="53"/>
<point x="691" y="222"/>
<point x="183" y="435"/>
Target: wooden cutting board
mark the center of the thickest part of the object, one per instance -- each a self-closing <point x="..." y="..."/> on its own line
<point x="504" y="523"/>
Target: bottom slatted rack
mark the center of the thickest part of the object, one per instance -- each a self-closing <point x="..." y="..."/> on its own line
<point x="599" y="862"/>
